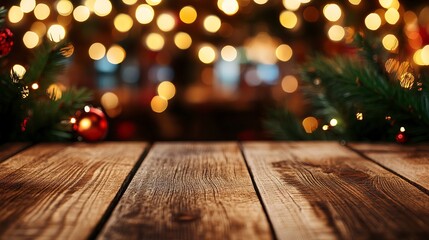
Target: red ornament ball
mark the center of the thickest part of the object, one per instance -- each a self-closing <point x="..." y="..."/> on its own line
<point x="6" y="41"/>
<point x="401" y="137"/>
<point x="91" y="124"/>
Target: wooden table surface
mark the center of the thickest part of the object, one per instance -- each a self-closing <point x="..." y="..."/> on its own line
<point x="214" y="190"/>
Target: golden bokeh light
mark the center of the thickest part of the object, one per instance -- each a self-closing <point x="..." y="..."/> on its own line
<point x="144" y="14"/>
<point x="212" y="23"/>
<point x="292" y="5"/>
<point x="188" y="14"/>
<point x="30" y="39"/>
<point x="260" y="2"/>
<point x="289" y="84"/>
<point x="182" y="40"/>
<point x="19" y="70"/>
<point x="116" y="54"/>
<point x="359" y="116"/>
<point x="332" y="12"/>
<point x="153" y="2"/>
<point x="129" y="2"/>
<point x="333" y="122"/>
<point x="284" y="52"/>
<point x="56" y="33"/>
<point x="207" y="54"/>
<point x="229" y="7"/>
<point x="336" y="33"/>
<point x="425" y="55"/>
<point x="97" y="51"/>
<point x="229" y="53"/>
<point x="391" y="16"/>
<point x="373" y="21"/>
<point x="154" y="41"/>
<point x="35" y="86"/>
<point x="158" y="104"/>
<point x="288" y="19"/>
<point x="165" y="22"/>
<point x="27" y="5"/>
<point x="390" y="42"/>
<point x="310" y="124"/>
<point x="81" y="13"/>
<point x="166" y="90"/>
<point x="417" y="57"/>
<point x="386" y="3"/>
<point x="109" y="100"/>
<point x="39" y="28"/>
<point x="15" y="14"/>
<point x="64" y="7"/>
<point x="54" y="92"/>
<point x="42" y="11"/>
<point x="355" y="2"/>
<point x="123" y="22"/>
<point x="102" y="7"/>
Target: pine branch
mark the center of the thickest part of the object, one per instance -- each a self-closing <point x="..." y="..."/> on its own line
<point x="3" y="12"/>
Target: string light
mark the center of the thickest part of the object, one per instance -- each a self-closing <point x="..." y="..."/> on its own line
<point x="154" y="41"/>
<point x="42" y="11"/>
<point x="333" y="122"/>
<point x="288" y="19"/>
<point x="166" y="90"/>
<point x="284" y="52"/>
<point x="332" y="12"/>
<point x="96" y="51"/>
<point x="373" y="21"/>
<point x="81" y="13"/>
<point x="144" y="14"/>
<point x="30" y="39"/>
<point x="27" y="5"/>
<point x="207" y="54"/>
<point x="56" y="33"/>
<point x="182" y="40"/>
<point x="212" y="23"/>
<point x="15" y="14"/>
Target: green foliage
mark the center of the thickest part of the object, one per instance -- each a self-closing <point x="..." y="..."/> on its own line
<point x="344" y="86"/>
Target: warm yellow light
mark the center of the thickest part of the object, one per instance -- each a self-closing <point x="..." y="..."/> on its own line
<point x="73" y="120"/>
<point x="64" y="7"/>
<point x="417" y="58"/>
<point x="284" y="52"/>
<point x="402" y="129"/>
<point x="425" y="55"/>
<point x="288" y="19"/>
<point x="229" y="53"/>
<point x="165" y="22"/>
<point x="89" y="4"/>
<point x="84" y="124"/>
<point x="15" y="14"/>
<point x="260" y="2"/>
<point x="153" y="2"/>
<point x="123" y="22"/>
<point x="54" y="92"/>
<point x="310" y="124"/>
<point x="207" y="54"/>
<point x="292" y="5"/>
<point x="325" y="127"/>
<point x="332" y="12"/>
<point x="390" y="42"/>
<point x="30" y="39"/>
<point x="129" y="2"/>
<point x="386" y="3"/>
<point x="333" y="122"/>
<point x="229" y="7"/>
<point x="354" y="2"/>
<point x="359" y="116"/>
<point x="166" y="90"/>
<point x="39" y="28"/>
<point x="27" y="5"/>
<point x="35" y="86"/>
<point x="182" y="40"/>
<point x="391" y="16"/>
<point x="81" y="13"/>
<point x="373" y="21"/>
<point x="144" y="14"/>
<point x="97" y="51"/>
<point x="56" y="33"/>
<point x="155" y="41"/>
<point x="336" y="33"/>
<point x="212" y="23"/>
<point x="289" y="84"/>
<point x="42" y="11"/>
<point x="109" y="100"/>
<point x="102" y="7"/>
<point x="19" y="71"/>
<point x="188" y="14"/>
<point x="158" y="104"/>
<point x="116" y="54"/>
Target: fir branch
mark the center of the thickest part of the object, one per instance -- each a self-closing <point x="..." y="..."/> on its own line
<point x="3" y="12"/>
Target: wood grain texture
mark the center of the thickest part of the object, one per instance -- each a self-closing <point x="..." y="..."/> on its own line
<point x="190" y="191"/>
<point x="61" y="191"/>
<point x="9" y="149"/>
<point x="322" y="190"/>
<point x="411" y="162"/>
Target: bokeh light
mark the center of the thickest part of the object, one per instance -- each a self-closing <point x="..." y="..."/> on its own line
<point x="355" y="2"/>
<point x="97" y="51"/>
<point x="165" y="22"/>
<point x="27" y="5"/>
<point x="292" y="5"/>
<point x="109" y="100"/>
<point x="19" y="70"/>
<point x="81" y="13"/>
<point x="391" y="16"/>
<point x="166" y="90"/>
<point x="336" y="33"/>
<point x="228" y="53"/>
<point x="188" y="14"/>
<point x="310" y="124"/>
<point x="42" y="11"/>
<point x="154" y="41"/>
<point x="182" y="40"/>
<point x="229" y="7"/>
<point x="260" y="2"/>
<point x="373" y="21"/>
<point x="123" y="22"/>
<point x="288" y="19"/>
<point x="289" y="84"/>
<point x="212" y="23"/>
<point x="332" y="12"/>
<point x="153" y="2"/>
<point x="116" y="54"/>
<point x="207" y="54"/>
<point x="56" y="33"/>
<point x="54" y="91"/>
<point x="15" y="14"/>
<point x="284" y="52"/>
<point x="144" y="14"/>
<point x="30" y="39"/>
<point x="102" y="7"/>
<point x="64" y="7"/>
<point x="158" y="104"/>
<point x="390" y="42"/>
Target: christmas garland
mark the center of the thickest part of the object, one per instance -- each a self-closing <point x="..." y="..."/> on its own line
<point x="364" y="97"/>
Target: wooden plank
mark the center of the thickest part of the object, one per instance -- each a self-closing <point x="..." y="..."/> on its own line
<point x="61" y="191"/>
<point x="322" y="190"/>
<point x="411" y="162"/>
<point x="9" y="149"/>
<point x="190" y="191"/>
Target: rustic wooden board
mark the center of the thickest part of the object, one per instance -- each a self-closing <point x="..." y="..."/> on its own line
<point x="190" y="191"/>
<point x="323" y="190"/>
<point x="9" y="149"/>
<point x="61" y="191"/>
<point x="411" y="162"/>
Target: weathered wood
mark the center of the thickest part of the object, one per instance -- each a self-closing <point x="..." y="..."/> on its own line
<point x="326" y="191"/>
<point x="61" y="191"/>
<point x="9" y="149"/>
<point x="411" y="162"/>
<point x="190" y="191"/>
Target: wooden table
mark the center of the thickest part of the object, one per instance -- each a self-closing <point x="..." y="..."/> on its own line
<point x="214" y="190"/>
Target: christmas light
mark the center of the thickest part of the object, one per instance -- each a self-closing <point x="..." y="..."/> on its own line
<point x="15" y="14"/>
<point x="56" y="33"/>
<point x="402" y="129"/>
<point x="310" y="124"/>
<point x="391" y="16"/>
<point x="212" y="23"/>
<point x="54" y="91"/>
<point x="96" y="51"/>
<point x="165" y="22"/>
<point x="144" y="14"/>
<point x="228" y="53"/>
<point x="373" y="21"/>
<point x="359" y="116"/>
<point x="19" y="71"/>
<point x="289" y="84"/>
<point x="30" y="39"/>
<point x="102" y="7"/>
<point x="116" y="54"/>
<point x="64" y="7"/>
<point x="27" y="5"/>
<point x="182" y="40"/>
<point x="332" y="12"/>
<point x="109" y="100"/>
<point x="390" y="42"/>
<point x="42" y="11"/>
<point x="207" y="54"/>
<point x="333" y="122"/>
<point x="325" y="127"/>
<point x="166" y="90"/>
<point x="336" y="33"/>
<point x="355" y="2"/>
<point x="284" y="52"/>
<point x="158" y="104"/>
<point x="288" y="19"/>
<point x="123" y="22"/>
<point x="35" y="86"/>
<point x="153" y="2"/>
<point x="291" y="5"/>
<point x="81" y="13"/>
<point x="229" y="7"/>
<point x="154" y="41"/>
<point x="188" y="14"/>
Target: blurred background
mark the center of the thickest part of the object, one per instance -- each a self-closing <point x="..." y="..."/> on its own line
<point x="206" y="70"/>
